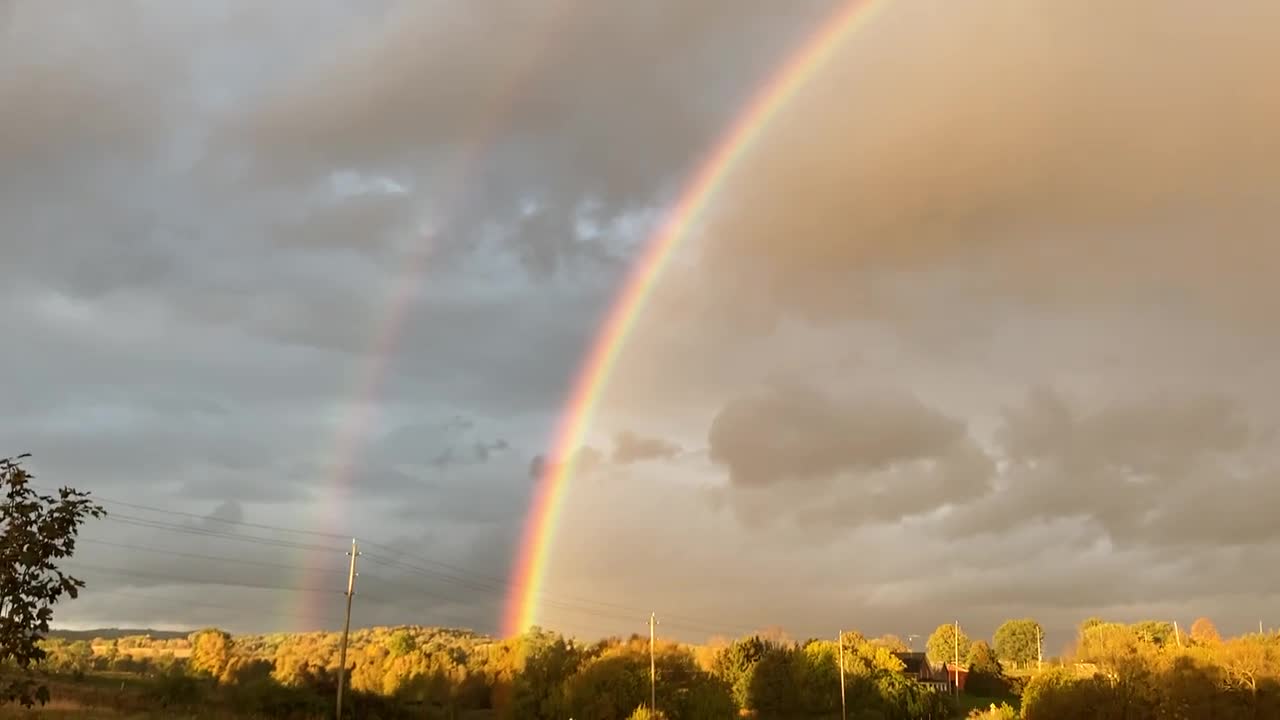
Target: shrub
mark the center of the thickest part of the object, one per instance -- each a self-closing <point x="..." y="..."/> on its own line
<point x="1001" y="712"/>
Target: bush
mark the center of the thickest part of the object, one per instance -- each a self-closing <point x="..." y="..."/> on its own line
<point x="266" y="697"/>
<point x="1002" y="712"/>
<point x="176" y="688"/>
<point x="644" y="713"/>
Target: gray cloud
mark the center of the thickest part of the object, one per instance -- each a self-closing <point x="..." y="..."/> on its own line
<point x="1164" y="471"/>
<point x="1046" y="162"/>
<point x="342" y="279"/>
<point x="884" y="456"/>
<point x="630" y="447"/>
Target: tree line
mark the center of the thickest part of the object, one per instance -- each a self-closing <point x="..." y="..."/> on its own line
<point x="540" y="675"/>
<point x="1140" y="671"/>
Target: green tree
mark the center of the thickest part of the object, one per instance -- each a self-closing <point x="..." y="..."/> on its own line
<point x="941" y="646"/>
<point x="1018" y="641"/>
<point x="1093" y="621"/>
<point x="36" y="530"/>
<point x="735" y="665"/>
<point x="985" y="675"/>
<point x="545" y="661"/>
<point x="982" y="659"/>
<point x="1155" y="632"/>
<point x="773" y="692"/>
<point x="401" y="643"/>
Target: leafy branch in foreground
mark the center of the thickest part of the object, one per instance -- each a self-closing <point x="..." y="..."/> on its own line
<point x="35" y="531"/>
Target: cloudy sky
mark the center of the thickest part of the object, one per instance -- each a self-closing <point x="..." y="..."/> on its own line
<point x="981" y="328"/>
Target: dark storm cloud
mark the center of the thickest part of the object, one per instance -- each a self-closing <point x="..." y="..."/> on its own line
<point x="200" y="328"/>
<point x="603" y="105"/>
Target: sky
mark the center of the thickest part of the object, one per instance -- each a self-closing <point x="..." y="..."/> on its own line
<point x="980" y="328"/>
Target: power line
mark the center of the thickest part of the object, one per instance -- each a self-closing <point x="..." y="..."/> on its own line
<point x="184" y="603"/>
<point x="260" y="526"/>
<point x="457" y="576"/>
<point x="198" y="581"/>
<point x="204" y="532"/>
<point x="604" y="610"/>
<point x="256" y="563"/>
<point x="217" y="558"/>
<point x="463" y="576"/>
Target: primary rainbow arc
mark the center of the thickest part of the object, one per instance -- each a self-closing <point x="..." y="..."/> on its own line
<point x="529" y="571"/>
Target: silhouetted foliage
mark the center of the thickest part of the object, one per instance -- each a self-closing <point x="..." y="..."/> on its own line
<point x="36" y="530"/>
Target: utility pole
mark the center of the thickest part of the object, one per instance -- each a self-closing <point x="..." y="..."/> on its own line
<point x="1259" y="627"/>
<point x="956" y="635"/>
<point x="653" y="668"/>
<point x="346" y="626"/>
<point x="1039" y="646"/>
<point x="840" y="640"/>
<point x="1176" y="634"/>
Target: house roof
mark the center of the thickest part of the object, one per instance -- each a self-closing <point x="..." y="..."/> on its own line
<point x="915" y="662"/>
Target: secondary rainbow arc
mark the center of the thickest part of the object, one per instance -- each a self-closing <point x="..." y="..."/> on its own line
<point x="377" y="366"/>
<point x="537" y="541"/>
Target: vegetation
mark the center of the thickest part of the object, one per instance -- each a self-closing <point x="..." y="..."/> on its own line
<point x="35" y="531"/>
<point x="1017" y="642"/>
<point x="943" y="645"/>
<point x="1143" y="671"/>
<point x="1118" y="671"/>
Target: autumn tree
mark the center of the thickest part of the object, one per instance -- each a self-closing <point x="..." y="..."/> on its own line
<point x="892" y="643"/>
<point x="941" y="646"/>
<point x="211" y="652"/>
<point x="1018" y="641"/>
<point x="1250" y="659"/>
<point x="1204" y="632"/>
<point x="36" y="531"/>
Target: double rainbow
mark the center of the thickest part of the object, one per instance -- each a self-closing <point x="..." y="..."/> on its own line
<point x="530" y="569"/>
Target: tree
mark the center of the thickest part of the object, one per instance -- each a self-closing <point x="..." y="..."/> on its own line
<point x="982" y="659"/>
<point x="1159" y="633"/>
<point x="1204" y="632"/>
<point x="892" y="643"/>
<point x="401" y="643"/>
<point x="35" y="531"/>
<point x="1018" y="641"/>
<point x="1091" y="622"/>
<point x="211" y="651"/>
<point x="1247" y="660"/>
<point x="941" y="647"/>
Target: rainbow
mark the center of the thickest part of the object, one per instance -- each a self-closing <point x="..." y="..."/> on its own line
<point x="530" y="569"/>
<point x="348" y="443"/>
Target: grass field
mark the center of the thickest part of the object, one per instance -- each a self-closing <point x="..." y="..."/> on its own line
<point x="124" y="696"/>
<point x="110" y="695"/>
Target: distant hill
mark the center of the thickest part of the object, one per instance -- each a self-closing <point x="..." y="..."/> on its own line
<point x="114" y="633"/>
